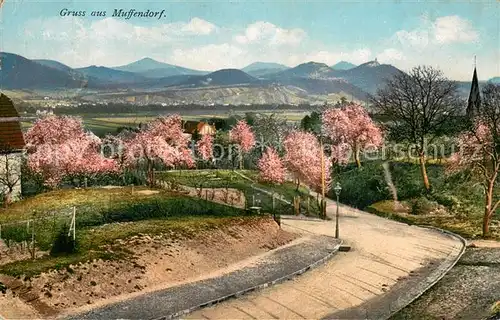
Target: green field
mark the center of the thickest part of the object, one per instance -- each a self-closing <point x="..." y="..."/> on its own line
<point x="103" y="124"/>
<point x="231" y="179"/>
<point x="102" y="216"/>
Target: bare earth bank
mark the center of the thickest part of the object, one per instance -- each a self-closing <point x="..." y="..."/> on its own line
<point x="159" y="262"/>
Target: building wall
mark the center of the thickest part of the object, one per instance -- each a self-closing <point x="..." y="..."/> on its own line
<point x="207" y="129"/>
<point x="10" y="171"/>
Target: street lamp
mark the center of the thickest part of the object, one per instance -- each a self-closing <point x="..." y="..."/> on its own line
<point x="337" y="189"/>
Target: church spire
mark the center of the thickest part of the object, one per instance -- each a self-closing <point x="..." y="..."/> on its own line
<point x="474" y="95"/>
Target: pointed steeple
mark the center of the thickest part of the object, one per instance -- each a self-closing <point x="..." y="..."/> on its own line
<point x="474" y="96"/>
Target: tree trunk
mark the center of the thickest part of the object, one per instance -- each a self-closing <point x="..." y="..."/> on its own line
<point x="298" y="184"/>
<point x="7" y="200"/>
<point x="356" y="156"/>
<point x="423" y="170"/>
<point x="487" y="208"/>
<point x="241" y="161"/>
<point x="150" y="175"/>
<point x="486" y="222"/>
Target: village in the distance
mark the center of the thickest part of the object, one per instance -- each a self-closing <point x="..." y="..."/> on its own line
<point x="221" y="161"/>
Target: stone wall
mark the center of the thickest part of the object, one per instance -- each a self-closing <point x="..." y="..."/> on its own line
<point x="10" y="173"/>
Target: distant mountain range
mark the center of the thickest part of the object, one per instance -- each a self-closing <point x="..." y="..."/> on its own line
<point x="263" y="65"/>
<point x="495" y="80"/>
<point x="21" y="73"/>
<point x="369" y="76"/>
<point x="224" y="77"/>
<point x="53" y="64"/>
<point x="105" y="75"/>
<point x="150" y="68"/>
<point x="304" y="70"/>
<point x="259" y="82"/>
<point x="343" y="65"/>
<point x="261" y="69"/>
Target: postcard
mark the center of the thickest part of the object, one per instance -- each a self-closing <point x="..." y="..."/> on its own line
<point x="219" y="159"/>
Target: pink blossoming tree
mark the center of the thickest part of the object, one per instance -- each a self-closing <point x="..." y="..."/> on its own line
<point x="161" y="140"/>
<point x="477" y="153"/>
<point x="351" y="125"/>
<point x="60" y="147"/>
<point x="242" y="135"/>
<point x="204" y="147"/>
<point x="303" y="159"/>
<point x="271" y="167"/>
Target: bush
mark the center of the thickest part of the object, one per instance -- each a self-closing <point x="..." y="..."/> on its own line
<point x="31" y="183"/>
<point x="362" y="187"/>
<point x="385" y="209"/>
<point x="422" y="205"/>
<point x="156" y="208"/>
<point x="495" y="308"/>
<point x="63" y="244"/>
<point x="446" y="199"/>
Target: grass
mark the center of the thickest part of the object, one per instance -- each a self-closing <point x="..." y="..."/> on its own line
<point x="460" y="194"/>
<point x="31" y="268"/>
<point x="105" y="123"/>
<point x="117" y="121"/>
<point x="105" y="215"/>
<point x="93" y="241"/>
<point x="62" y="200"/>
<point x="230" y="179"/>
<point x="469" y="227"/>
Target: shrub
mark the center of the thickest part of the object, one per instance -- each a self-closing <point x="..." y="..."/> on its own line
<point x="161" y="208"/>
<point x="63" y="244"/>
<point x="495" y="308"/>
<point x="446" y="199"/>
<point x="362" y="187"/>
<point x="422" y="205"/>
<point x="31" y="183"/>
<point x="386" y="209"/>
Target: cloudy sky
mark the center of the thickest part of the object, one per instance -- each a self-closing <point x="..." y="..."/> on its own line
<point x="210" y="35"/>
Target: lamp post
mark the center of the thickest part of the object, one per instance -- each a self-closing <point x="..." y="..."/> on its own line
<point x="337" y="189"/>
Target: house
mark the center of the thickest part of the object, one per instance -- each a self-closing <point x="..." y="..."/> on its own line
<point x="202" y="128"/>
<point x="11" y="150"/>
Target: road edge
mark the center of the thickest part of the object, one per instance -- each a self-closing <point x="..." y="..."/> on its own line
<point x="237" y="294"/>
<point x="445" y="271"/>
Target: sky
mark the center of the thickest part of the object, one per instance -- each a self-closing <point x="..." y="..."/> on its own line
<point x="211" y="35"/>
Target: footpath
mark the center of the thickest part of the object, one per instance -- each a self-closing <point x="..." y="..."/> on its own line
<point x="389" y="265"/>
<point x="272" y="267"/>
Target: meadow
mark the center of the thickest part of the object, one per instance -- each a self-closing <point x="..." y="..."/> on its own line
<point x="100" y="216"/>
<point x="102" y="124"/>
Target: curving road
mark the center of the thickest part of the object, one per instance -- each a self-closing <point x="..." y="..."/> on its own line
<point x="388" y="266"/>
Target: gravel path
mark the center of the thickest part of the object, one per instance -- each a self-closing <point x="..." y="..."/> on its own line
<point x="276" y="264"/>
<point x="467" y="292"/>
<point x="389" y="265"/>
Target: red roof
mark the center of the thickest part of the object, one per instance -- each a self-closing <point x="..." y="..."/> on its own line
<point x="192" y="126"/>
<point x="11" y="136"/>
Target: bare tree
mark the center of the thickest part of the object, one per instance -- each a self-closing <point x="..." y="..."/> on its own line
<point x="10" y="173"/>
<point x="270" y="130"/>
<point x="418" y="106"/>
<point x="480" y="150"/>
